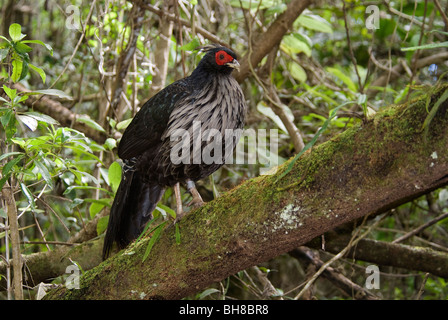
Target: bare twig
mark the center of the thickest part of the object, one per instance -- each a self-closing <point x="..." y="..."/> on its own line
<point x="353" y="241"/>
<point x="265" y="41"/>
<point x="422" y="227"/>
<point x="342" y="282"/>
<point x="161" y="54"/>
<point x="171" y="17"/>
<point x="81" y="38"/>
<point x="350" y="48"/>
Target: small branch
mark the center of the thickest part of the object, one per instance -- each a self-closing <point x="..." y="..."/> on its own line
<point x="350" y="48"/>
<point x="268" y="289"/>
<point x="352" y="243"/>
<point x="60" y="243"/>
<point x="397" y="71"/>
<point x="422" y="227"/>
<point x="171" y="17"/>
<point x="346" y="285"/>
<point x="83" y="33"/>
<point x="125" y="59"/>
<point x="161" y="55"/>
<point x="389" y="254"/>
<point x="442" y="13"/>
<point x="272" y="37"/>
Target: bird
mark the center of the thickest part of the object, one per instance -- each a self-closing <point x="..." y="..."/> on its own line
<point x="159" y="149"/>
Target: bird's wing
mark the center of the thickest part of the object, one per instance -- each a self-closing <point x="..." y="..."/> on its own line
<point x="146" y="129"/>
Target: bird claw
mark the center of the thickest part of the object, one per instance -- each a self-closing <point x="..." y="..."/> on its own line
<point x="180" y="213"/>
<point x="196" y="203"/>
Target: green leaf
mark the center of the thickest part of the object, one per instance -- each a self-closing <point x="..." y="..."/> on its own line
<point x="101" y="225"/>
<point x="2" y="183"/>
<point x="20" y="142"/>
<point x="110" y="143"/>
<point x="164" y="209"/>
<point x="52" y="92"/>
<point x="155" y="236"/>
<point x="6" y="155"/>
<point x="313" y="22"/>
<point x="293" y="45"/>
<point x="90" y="123"/>
<point x="49" y="48"/>
<point x="28" y="195"/>
<point x="11" y="93"/>
<point x="114" y="176"/>
<point x="39" y="71"/>
<point x="123" y="124"/>
<point x="17" y="68"/>
<point x="41" y="117"/>
<point x="150" y="222"/>
<point x="252" y="4"/>
<point x="433" y="111"/>
<point x="207" y="292"/>
<point x="69" y="189"/>
<point x="3" y="54"/>
<point x="95" y="208"/>
<point x="15" y="32"/>
<point x="297" y="72"/>
<point x="44" y="172"/>
<point x="28" y="121"/>
<point x="343" y="77"/>
<point x="192" y="45"/>
<point x="268" y="112"/>
<point x="427" y="46"/>
<point x="21" y="48"/>
<point x="7" y="44"/>
<point x="8" y="167"/>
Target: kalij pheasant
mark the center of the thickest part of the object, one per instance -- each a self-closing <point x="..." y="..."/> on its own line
<point x="209" y="99"/>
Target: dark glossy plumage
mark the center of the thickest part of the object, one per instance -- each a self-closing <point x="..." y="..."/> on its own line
<point x="209" y="96"/>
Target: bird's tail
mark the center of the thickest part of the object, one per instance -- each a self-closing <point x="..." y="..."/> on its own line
<point x="132" y="208"/>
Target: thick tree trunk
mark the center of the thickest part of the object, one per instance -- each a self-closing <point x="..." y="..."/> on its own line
<point x="366" y="170"/>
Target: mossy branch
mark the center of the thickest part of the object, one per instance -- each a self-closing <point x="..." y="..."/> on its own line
<point x="366" y="170"/>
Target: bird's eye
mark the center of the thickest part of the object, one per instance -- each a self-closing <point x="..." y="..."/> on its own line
<point x="221" y="57"/>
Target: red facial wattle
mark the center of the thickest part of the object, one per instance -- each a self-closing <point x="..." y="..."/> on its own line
<point x="223" y="57"/>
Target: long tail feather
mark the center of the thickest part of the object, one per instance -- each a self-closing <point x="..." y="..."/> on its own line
<point x="132" y="208"/>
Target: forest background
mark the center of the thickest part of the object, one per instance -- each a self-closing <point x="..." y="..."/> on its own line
<point x="357" y="209"/>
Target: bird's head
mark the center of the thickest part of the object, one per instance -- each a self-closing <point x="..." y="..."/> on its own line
<point x="219" y="59"/>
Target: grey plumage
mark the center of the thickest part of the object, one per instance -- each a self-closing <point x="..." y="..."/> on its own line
<point x="211" y="97"/>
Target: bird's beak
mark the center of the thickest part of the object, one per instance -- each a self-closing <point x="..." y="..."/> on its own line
<point x="234" y="64"/>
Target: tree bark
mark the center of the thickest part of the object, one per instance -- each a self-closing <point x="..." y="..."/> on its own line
<point x="17" y="263"/>
<point x="366" y="170"/>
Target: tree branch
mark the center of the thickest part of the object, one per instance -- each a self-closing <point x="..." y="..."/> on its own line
<point x="346" y="285"/>
<point x="368" y="169"/>
<point x="264" y="43"/>
<point x="17" y="262"/>
<point x="389" y="254"/>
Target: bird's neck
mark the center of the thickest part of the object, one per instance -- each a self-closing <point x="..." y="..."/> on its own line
<point x="203" y="75"/>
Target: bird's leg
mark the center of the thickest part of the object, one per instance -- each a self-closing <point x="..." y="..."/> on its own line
<point x="197" y="199"/>
<point x="179" y="209"/>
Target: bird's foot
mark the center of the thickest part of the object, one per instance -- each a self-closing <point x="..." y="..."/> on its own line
<point x="197" y="201"/>
<point x="179" y="216"/>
